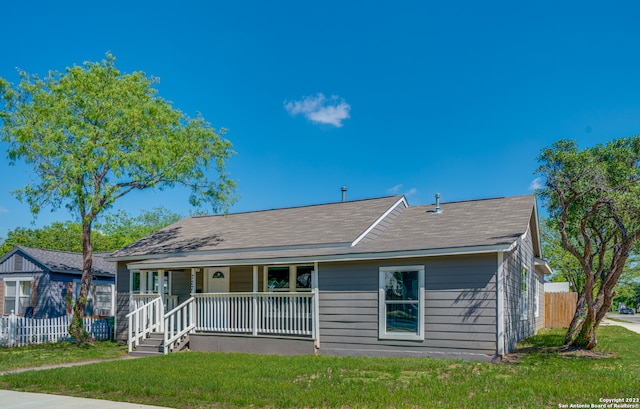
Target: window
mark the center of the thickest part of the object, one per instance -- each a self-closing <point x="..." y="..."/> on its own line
<point x="135" y="282"/>
<point x="536" y="299"/>
<point x="17" y="295"/>
<point x="303" y="278"/>
<point x="401" y="307"/>
<point x="288" y="278"/>
<point x="99" y="298"/>
<point x="524" y="294"/>
<point x="278" y="278"/>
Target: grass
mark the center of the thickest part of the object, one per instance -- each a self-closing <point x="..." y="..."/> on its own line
<point x="52" y="354"/>
<point x="541" y="374"/>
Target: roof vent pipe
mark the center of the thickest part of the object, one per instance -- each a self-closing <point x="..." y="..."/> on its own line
<point x="438" y="210"/>
<point x="344" y="193"/>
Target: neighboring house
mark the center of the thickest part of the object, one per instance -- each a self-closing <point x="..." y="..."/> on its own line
<point x="36" y="282"/>
<point x="561" y="287"/>
<point x="368" y="277"/>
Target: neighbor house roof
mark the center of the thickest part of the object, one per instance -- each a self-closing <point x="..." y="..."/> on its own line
<point x="373" y="228"/>
<point x="65" y="261"/>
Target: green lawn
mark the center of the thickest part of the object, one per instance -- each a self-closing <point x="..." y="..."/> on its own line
<point x="51" y="354"/>
<point x="543" y="375"/>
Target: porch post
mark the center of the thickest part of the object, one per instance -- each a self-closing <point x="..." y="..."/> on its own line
<point x="255" y="301"/>
<point x="316" y="304"/>
<point x="143" y="281"/>
<point x="193" y="280"/>
<point x="161" y="288"/>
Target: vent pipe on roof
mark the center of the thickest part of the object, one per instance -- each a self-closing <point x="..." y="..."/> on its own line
<point x="344" y="193"/>
<point x="438" y="210"/>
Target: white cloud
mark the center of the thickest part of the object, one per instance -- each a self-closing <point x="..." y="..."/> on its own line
<point x="320" y="109"/>
<point x="394" y="190"/>
<point x="536" y="184"/>
<point x="398" y="188"/>
<point x="4" y="210"/>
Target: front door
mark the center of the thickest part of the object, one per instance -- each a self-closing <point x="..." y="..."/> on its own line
<point x="217" y="279"/>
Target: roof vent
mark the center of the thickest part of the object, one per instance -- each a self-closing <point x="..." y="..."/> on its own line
<point x="344" y="193"/>
<point x="438" y="210"/>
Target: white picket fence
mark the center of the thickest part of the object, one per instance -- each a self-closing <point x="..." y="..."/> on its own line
<point x="19" y="331"/>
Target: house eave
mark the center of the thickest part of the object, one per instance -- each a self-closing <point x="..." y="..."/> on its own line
<point x="156" y="263"/>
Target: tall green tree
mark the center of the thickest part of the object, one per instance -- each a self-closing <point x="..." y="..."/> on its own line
<point x="114" y="231"/>
<point x="593" y="196"/>
<point x="93" y="134"/>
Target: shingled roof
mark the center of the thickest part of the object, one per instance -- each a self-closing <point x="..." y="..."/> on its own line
<point x="383" y="227"/>
<point x="68" y="262"/>
<point x="318" y="225"/>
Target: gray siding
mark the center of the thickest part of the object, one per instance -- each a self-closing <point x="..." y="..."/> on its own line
<point x="241" y="279"/>
<point x="459" y="308"/>
<point x="123" y="297"/>
<point x="181" y="284"/>
<point x="518" y="328"/>
<point x="23" y="264"/>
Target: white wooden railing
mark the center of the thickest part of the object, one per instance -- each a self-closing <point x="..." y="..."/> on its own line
<point x="178" y="323"/>
<point x="171" y="301"/>
<point x="144" y="320"/>
<point x="256" y="313"/>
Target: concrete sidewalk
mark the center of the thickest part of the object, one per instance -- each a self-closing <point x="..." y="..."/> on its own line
<point x="631" y="326"/>
<point x="26" y="400"/>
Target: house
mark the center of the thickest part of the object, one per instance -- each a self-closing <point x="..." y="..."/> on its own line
<point x="366" y="277"/>
<point x="35" y="283"/>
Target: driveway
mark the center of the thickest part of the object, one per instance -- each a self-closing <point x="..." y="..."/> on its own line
<point x="25" y="400"/>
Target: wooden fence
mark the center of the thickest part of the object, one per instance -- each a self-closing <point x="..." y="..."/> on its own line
<point x="559" y="309"/>
<point x="19" y="331"/>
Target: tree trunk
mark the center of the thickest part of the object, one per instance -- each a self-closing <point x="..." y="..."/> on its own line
<point x="575" y="326"/>
<point x="76" y="328"/>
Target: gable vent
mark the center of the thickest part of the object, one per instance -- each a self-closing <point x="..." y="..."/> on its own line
<point x="17" y="262"/>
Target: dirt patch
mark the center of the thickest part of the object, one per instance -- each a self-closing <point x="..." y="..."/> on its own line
<point x="564" y="351"/>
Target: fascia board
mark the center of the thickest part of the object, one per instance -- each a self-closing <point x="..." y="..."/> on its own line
<point x="148" y="265"/>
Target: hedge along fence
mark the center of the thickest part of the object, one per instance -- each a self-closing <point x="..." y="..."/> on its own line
<point x="19" y="331"/>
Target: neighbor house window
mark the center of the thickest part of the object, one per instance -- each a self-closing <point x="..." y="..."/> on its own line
<point x="524" y="294"/>
<point x="401" y="305"/>
<point x="99" y="298"/>
<point x="17" y="295"/>
<point x="288" y="278"/>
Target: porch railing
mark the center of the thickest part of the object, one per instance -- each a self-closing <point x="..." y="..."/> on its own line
<point x="256" y="313"/>
<point x="145" y="320"/>
<point x="171" y="301"/>
<point x="178" y="323"/>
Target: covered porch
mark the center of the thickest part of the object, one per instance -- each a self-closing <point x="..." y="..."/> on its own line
<point x="250" y="301"/>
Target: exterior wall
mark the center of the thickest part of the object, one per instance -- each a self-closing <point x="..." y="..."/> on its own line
<point x="241" y="279"/>
<point x="123" y="297"/>
<point x="181" y="284"/>
<point x="460" y="308"/>
<point x="19" y="264"/>
<point x="540" y="317"/>
<point x="516" y="327"/>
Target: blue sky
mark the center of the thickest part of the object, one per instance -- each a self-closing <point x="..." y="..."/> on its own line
<point x="412" y="97"/>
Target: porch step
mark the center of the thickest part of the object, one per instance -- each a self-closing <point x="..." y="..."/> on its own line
<point x="153" y="345"/>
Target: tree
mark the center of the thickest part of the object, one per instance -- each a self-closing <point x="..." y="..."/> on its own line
<point x="93" y="135"/>
<point x="116" y="231"/>
<point x="565" y="267"/>
<point x="122" y="229"/>
<point x="593" y="196"/>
